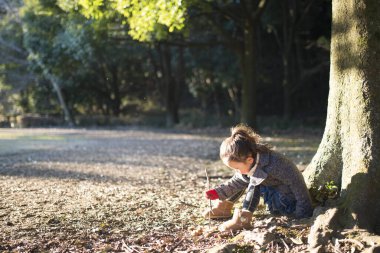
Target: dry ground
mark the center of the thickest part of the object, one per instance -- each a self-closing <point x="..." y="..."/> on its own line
<point x="126" y="190"/>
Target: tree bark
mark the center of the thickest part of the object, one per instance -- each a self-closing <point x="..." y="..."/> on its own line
<point x="349" y="152"/>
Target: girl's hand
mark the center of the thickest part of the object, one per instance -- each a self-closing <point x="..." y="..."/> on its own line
<point x="211" y="194"/>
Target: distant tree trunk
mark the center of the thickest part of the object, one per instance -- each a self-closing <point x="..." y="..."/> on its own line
<point x="249" y="89"/>
<point x="293" y="14"/>
<point x="61" y="100"/>
<point x="181" y="76"/>
<point x="233" y="94"/>
<point x="248" y="16"/>
<point x="172" y="117"/>
<point x="287" y="86"/>
<point x="349" y="152"/>
<point x="288" y="29"/>
<point x="157" y="68"/>
<point x="115" y="94"/>
<point x="57" y="90"/>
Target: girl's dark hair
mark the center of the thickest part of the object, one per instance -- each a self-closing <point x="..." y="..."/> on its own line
<point x="242" y="143"/>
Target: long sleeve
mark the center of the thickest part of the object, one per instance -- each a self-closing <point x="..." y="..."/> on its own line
<point x="237" y="183"/>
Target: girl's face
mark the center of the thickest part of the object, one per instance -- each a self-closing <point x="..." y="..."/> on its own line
<point x="241" y="167"/>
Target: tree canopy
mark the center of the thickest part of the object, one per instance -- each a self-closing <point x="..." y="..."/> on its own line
<point x="102" y="58"/>
<point x="147" y="20"/>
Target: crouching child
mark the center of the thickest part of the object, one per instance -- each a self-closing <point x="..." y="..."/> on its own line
<point x="260" y="171"/>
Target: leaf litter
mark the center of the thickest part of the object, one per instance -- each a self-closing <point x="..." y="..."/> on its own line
<point x="128" y="190"/>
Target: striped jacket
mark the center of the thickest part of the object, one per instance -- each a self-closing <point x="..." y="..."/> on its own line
<point x="275" y="170"/>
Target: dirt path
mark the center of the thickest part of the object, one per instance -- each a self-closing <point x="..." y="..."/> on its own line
<point x="113" y="190"/>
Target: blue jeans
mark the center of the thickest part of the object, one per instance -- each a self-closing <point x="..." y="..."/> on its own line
<point x="277" y="203"/>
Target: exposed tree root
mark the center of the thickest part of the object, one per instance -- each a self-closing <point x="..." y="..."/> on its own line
<point x="326" y="234"/>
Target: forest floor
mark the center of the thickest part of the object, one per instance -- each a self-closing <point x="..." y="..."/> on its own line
<point x="127" y="190"/>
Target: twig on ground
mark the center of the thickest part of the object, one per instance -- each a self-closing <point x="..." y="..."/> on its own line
<point x="216" y="177"/>
<point x="127" y="248"/>
<point x="188" y="204"/>
<point x="176" y="245"/>
<point x="286" y="245"/>
<point x="208" y="187"/>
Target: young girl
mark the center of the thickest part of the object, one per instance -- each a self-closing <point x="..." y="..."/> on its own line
<point x="263" y="172"/>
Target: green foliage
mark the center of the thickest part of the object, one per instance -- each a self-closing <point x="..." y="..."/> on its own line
<point x="91" y="69"/>
<point x="92" y="49"/>
<point x="147" y="19"/>
<point x="14" y="75"/>
<point x="324" y="192"/>
<point x="151" y="16"/>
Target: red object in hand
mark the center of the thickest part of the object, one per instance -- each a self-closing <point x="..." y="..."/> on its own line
<point x="211" y="194"/>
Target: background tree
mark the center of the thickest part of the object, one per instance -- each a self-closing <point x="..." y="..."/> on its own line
<point x="148" y="21"/>
<point x="237" y="23"/>
<point x="162" y="17"/>
<point x="40" y="28"/>
<point x="349" y="152"/>
<point x="115" y="59"/>
<point x="14" y="74"/>
<point x="290" y="24"/>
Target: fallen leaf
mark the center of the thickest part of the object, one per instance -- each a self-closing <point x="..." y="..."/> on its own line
<point x="297" y="241"/>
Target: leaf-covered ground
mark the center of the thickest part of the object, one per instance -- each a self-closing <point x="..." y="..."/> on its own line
<point x="126" y="190"/>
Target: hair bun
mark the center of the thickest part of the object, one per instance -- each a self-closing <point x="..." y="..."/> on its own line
<point x="241" y="129"/>
<point x="242" y="143"/>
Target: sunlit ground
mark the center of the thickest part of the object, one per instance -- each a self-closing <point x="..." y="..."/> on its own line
<point x="89" y="190"/>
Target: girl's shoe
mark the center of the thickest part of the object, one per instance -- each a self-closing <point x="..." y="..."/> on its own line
<point x="221" y="211"/>
<point x="240" y="220"/>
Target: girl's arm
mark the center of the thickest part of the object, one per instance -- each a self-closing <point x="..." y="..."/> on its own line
<point x="237" y="183"/>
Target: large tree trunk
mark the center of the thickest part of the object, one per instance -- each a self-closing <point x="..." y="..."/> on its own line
<point x="349" y="152"/>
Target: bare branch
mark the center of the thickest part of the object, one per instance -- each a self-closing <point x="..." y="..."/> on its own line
<point x="226" y="13"/>
<point x="12" y="46"/>
<point x="309" y="72"/>
<point x="5" y="59"/>
<point x="260" y="9"/>
<point x="305" y="11"/>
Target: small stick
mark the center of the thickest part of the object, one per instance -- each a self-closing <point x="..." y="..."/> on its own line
<point x="286" y="245"/>
<point x="129" y="249"/>
<point x="208" y="187"/>
<point x="176" y="245"/>
<point x="188" y="204"/>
